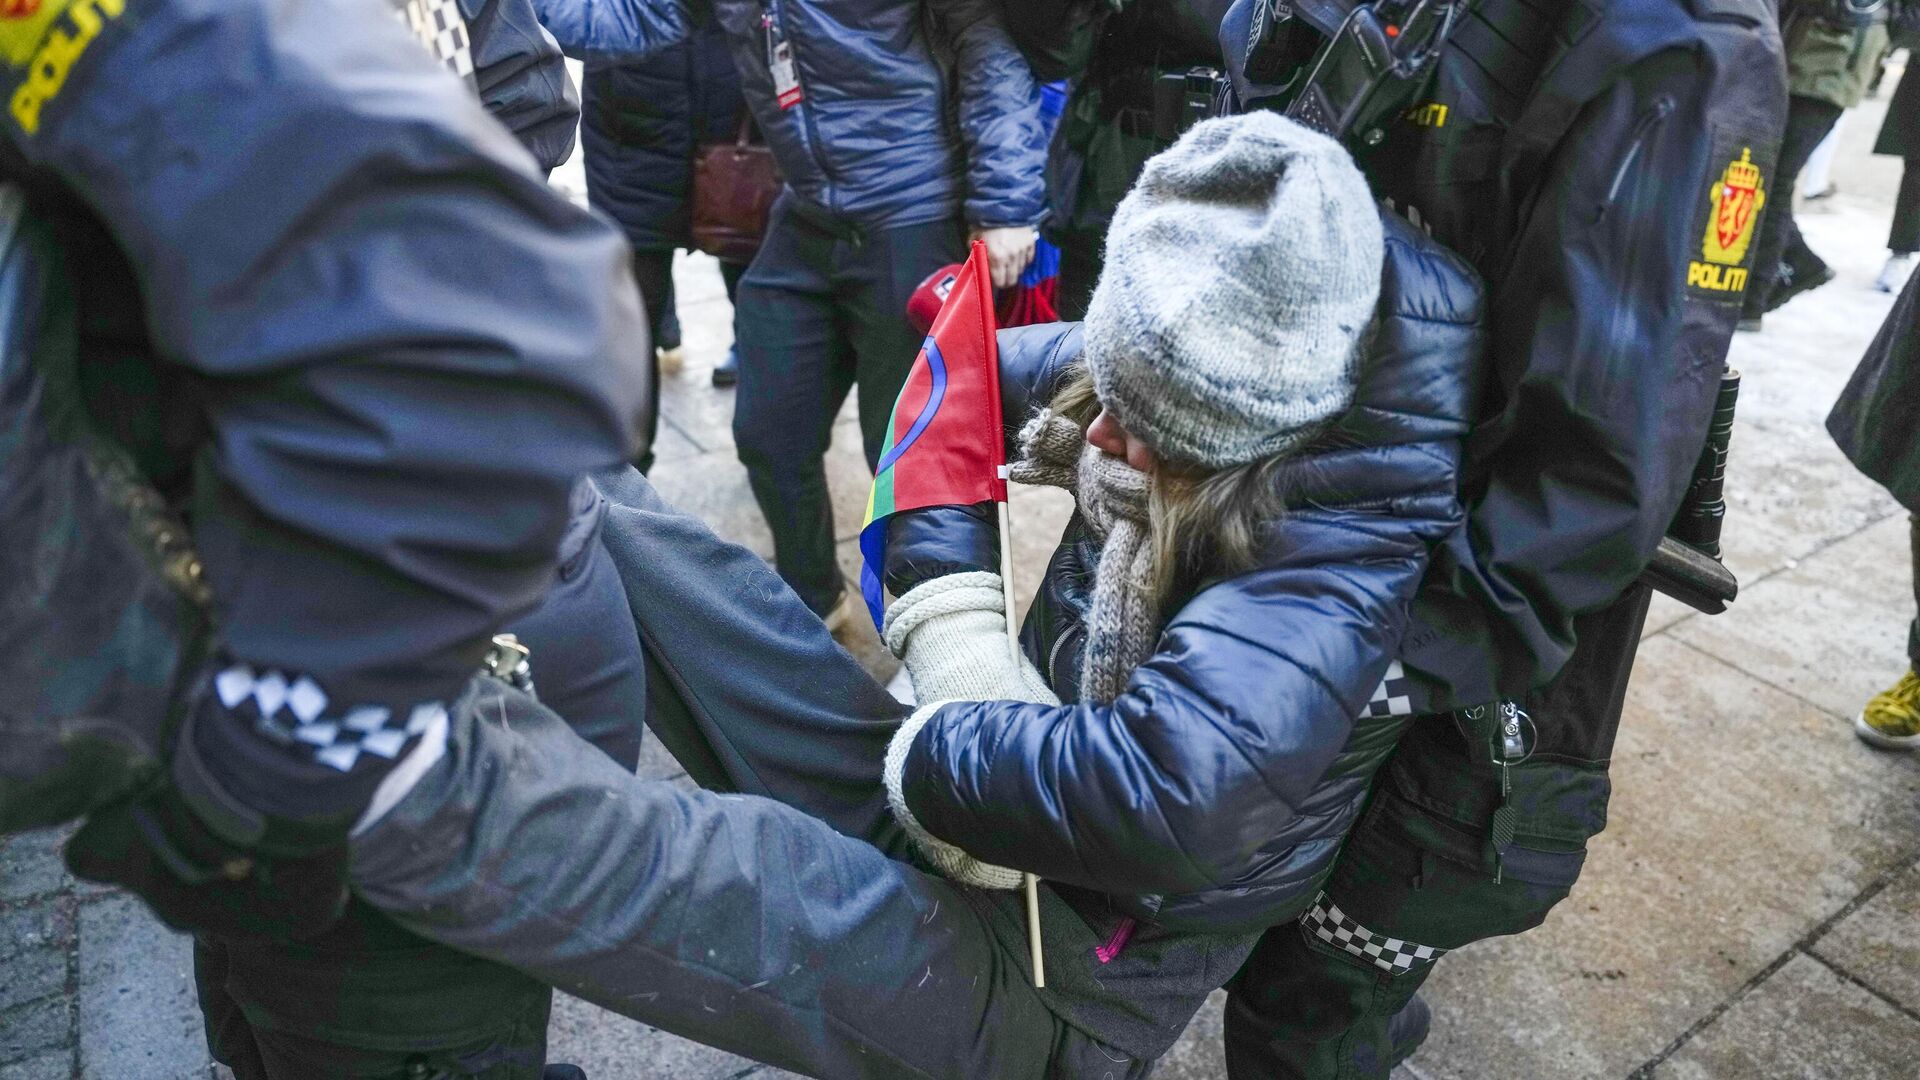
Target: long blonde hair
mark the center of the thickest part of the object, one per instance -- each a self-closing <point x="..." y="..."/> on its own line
<point x="1199" y="525"/>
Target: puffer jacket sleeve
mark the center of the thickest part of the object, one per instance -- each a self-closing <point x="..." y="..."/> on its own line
<point x="356" y="263"/>
<point x="615" y="29"/>
<point x="941" y="540"/>
<point x="522" y="78"/>
<point x="1216" y="742"/>
<point x="999" y="110"/>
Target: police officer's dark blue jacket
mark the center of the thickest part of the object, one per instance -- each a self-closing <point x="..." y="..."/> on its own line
<point x="522" y="78"/>
<point x="640" y="124"/>
<point x="911" y="110"/>
<point x="1225" y="776"/>
<point x="237" y="184"/>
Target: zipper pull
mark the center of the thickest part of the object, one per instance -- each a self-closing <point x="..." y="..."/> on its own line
<point x="1513" y="747"/>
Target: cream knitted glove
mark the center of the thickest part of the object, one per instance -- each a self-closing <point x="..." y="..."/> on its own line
<point x="952" y="634"/>
<point x="953" y="863"/>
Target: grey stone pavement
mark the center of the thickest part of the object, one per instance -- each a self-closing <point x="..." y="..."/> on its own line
<point x="1751" y="911"/>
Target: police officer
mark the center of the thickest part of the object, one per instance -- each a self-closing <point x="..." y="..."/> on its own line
<point x="266" y="265"/>
<point x="1603" y="167"/>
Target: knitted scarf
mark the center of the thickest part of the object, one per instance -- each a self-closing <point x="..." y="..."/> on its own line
<point x="1125" y="621"/>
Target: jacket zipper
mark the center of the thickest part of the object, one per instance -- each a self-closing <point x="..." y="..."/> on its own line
<point x="1642" y="128"/>
<point x="809" y="137"/>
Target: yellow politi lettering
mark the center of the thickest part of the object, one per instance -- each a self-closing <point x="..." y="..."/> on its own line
<point x="1433" y="115"/>
<point x="1715" y="278"/>
<point x="47" y="71"/>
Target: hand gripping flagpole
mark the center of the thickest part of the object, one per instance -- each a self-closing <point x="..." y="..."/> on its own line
<point x="1028" y="881"/>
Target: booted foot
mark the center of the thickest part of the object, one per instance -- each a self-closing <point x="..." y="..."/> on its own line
<point x="727" y="371"/>
<point x="1893" y="276"/>
<point x="1891" y="719"/>
<point x="1408" y="1029"/>
<point x="671" y="360"/>
<point x="1798" y="281"/>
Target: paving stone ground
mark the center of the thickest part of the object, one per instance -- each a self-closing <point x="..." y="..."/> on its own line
<point x="1749" y="912"/>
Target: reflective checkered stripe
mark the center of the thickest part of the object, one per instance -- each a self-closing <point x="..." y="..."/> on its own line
<point x="442" y="29"/>
<point x="1327" y="922"/>
<point x="295" y="711"/>
<point x="1390" y="697"/>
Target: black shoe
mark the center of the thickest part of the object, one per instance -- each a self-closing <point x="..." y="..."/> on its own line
<point x="727" y="372"/>
<point x="1796" y="281"/>
<point x="1407" y="1029"/>
<point x="563" y="1072"/>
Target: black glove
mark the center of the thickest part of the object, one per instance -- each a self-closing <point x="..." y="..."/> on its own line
<point x="154" y="846"/>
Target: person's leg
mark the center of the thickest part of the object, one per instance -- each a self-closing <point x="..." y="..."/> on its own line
<point x="728" y="919"/>
<point x="1913" y="629"/>
<point x="873" y="280"/>
<point x="794" y="373"/>
<point x="653" y="274"/>
<point x="653" y="270"/>
<point x="230" y="1039"/>
<point x="746" y="688"/>
<point x="1808" y="121"/>
<point x="727" y="371"/>
<point x="586" y="659"/>
<point x="1904" y="237"/>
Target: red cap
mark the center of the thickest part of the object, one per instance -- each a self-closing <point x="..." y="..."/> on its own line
<point x="926" y="300"/>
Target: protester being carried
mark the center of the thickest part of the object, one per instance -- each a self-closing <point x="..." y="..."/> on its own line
<point x="1235" y="341"/>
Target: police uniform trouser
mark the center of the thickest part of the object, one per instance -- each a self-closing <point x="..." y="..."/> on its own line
<point x="732" y="919"/>
<point x="370" y="1000"/>
<point x="1419" y="876"/>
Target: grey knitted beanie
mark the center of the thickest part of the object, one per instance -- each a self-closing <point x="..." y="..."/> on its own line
<point x="1241" y="274"/>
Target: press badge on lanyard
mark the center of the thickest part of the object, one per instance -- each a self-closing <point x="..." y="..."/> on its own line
<point x="786" y="81"/>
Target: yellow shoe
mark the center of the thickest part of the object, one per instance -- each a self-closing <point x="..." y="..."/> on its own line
<point x="1891" y="719"/>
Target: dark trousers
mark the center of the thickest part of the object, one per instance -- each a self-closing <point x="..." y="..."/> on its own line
<point x="822" y="307"/>
<point x="1808" y="122"/>
<point x="653" y="272"/>
<point x="1904" y="237"/>
<point x="1080" y="256"/>
<point x="1301" y="1009"/>
<point x="369" y="1000"/>
<point x="1913" y="631"/>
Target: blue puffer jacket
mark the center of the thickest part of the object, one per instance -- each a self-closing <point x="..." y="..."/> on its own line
<point x="1215" y="791"/>
<point x="641" y="122"/>
<point x="912" y="110"/>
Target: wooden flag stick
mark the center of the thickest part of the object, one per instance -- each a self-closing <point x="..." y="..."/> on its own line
<point x="1031" y="883"/>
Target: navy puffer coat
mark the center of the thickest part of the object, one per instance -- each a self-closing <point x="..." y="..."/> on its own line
<point x="1215" y="791"/>
<point x="641" y="122"/>
<point x="912" y="110"/>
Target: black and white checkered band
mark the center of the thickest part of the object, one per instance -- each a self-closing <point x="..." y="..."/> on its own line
<point x="294" y="711"/>
<point x="1390" y="697"/>
<point x="442" y="29"/>
<point x="1327" y="922"/>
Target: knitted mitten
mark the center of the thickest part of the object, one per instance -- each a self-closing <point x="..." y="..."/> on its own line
<point x="952" y="634"/>
<point x="952" y="863"/>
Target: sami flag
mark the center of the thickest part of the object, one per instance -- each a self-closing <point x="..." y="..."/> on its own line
<point x="944" y="444"/>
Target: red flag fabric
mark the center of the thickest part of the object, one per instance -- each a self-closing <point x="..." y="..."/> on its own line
<point x="944" y="444"/>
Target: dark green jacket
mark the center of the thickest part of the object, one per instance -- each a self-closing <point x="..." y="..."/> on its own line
<point x="1831" y="63"/>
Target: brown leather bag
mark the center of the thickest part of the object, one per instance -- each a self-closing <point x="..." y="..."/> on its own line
<point x="734" y="185"/>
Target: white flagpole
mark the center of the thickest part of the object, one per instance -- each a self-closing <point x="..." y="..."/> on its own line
<point x="1031" y="883"/>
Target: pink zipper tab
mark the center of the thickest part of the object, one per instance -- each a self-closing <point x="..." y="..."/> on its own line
<point x="1116" y="941"/>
